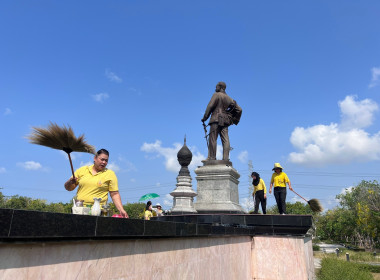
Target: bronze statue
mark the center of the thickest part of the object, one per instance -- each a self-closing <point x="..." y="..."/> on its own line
<point x="224" y="112"/>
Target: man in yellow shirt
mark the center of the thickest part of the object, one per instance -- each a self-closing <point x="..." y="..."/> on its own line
<point x="279" y="180"/>
<point x="97" y="181"/>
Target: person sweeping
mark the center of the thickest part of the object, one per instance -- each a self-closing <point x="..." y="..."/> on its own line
<point x="97" y="181"/>
<point x="259" y="193"/>
<point x="279" y="180"/>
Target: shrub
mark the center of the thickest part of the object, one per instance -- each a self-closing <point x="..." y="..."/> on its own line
<point x="316" y="247"/>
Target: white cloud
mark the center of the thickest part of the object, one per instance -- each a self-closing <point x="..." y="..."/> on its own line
<point x="113" y="77"/>
<point x="168" y="201"/>
<point x="339" y="143"/>
<point x="357" y="114"/>
<point x="346" y="190"/>
<point x="7" y="112"/>
<point x="219" y="152"/>
<point x="2" y="170"/>
<point x="30" y="165"/>
<point x="247" y="204"/>
<point x="170" y="155"/>
<point x="243" y="156"/>
<point x="113" y="166"/>
<point x="100" y="97"/>
<point x="375" y="77"/>
<point x="88" y="163"/>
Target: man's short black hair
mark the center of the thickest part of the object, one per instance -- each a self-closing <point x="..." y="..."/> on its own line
<point x="102" y="151"/>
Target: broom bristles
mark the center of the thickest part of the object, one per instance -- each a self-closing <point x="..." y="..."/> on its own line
<point x="315" y="205"/>
<point x="60" y="138"/>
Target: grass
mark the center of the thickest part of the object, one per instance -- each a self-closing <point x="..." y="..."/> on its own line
<point x="354" y="256"/>
<point x="335" y="269"/>
<point x="357" y="268"/>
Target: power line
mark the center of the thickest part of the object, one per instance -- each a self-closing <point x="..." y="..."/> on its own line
<point x="312" y="173"/>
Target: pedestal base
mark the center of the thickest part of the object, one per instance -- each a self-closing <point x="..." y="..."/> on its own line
<point x="183" y="197"/>
<point x="217" y="189"/>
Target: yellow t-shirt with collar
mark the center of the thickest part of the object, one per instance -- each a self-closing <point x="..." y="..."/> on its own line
<point x="97" y="185"/>
<point x="260" y="186"/>
<point x="279" y="180"/>
<point x="149" y="214"/>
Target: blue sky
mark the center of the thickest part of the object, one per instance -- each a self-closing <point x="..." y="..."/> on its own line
<point x="136" y="76"/>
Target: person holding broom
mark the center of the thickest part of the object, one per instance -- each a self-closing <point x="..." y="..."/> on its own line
<point x="97" y="181"/>
<point x="279" y="180"/>
<point x="259" y="193"/>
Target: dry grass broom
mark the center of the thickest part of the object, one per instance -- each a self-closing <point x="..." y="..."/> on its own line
<point x="60" y="138"/>
<point x="314" y="204"/>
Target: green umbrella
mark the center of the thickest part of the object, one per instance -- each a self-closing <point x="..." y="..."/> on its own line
<point x="148" y="196"/>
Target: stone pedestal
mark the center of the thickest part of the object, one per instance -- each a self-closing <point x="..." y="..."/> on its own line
<point x="217" y="188"/>
<point x="183" y="196"/>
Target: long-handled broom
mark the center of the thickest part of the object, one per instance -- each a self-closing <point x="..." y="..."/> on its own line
<point x="60" y="138"/>
<point x="314" y="204"/>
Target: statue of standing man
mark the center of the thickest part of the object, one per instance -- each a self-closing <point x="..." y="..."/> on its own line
<point x="224" y="112"/>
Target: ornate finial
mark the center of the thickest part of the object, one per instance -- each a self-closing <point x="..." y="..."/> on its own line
<point x="184" y="157"/>
<point x="184" y="142"/>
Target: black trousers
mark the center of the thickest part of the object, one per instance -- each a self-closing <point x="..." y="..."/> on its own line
<point x="280" y="196"/>
<point x="215" y="129"/>
<point x="259" y="198"/>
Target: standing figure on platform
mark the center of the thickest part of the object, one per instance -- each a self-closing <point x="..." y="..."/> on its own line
<point x="259" y="193"/>
<point x="97" y="181"/>
<point x="279" y="180"/>
<point x="224" y="112"/>
<point x="158" y="210"/>
<point x="149" y="213"/>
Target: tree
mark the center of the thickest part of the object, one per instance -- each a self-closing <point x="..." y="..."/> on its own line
<point x="134" y="210"/>
<point x="336" y="225"/>
<point x="358" y="218"/>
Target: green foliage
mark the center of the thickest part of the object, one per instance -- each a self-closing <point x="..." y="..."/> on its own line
<point x="337" y="224"/>
<point x="297" y="208"/>
<point x="27" y="203"/>
<point x="334" y="269"/>
<point x="316" y="247"/>
<point x="358" y="218"/>
<point x="370" y="268"/>
<point x="360" y="256"/>
<point x="135" y="210"/>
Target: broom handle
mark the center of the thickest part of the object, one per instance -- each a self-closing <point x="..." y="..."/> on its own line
<point x="300" y="196"/>
<point x="71" y="164"/>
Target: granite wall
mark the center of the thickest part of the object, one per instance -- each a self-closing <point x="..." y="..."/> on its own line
<point x="41" y="245"/>
<point x="190" y="258"/>
<point x="236" y="257"/>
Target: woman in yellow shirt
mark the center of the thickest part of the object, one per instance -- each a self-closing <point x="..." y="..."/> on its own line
<point x="149" y="213"/>
<point x="259" y="193"/>
<point x="279" y="180"/>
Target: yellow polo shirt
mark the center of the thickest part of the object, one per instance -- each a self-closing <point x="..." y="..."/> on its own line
<point x="279" y="180"/>
<point x="260" y="186"/>
<point x="97" y="185"/>
<point x="149" y="214"/>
